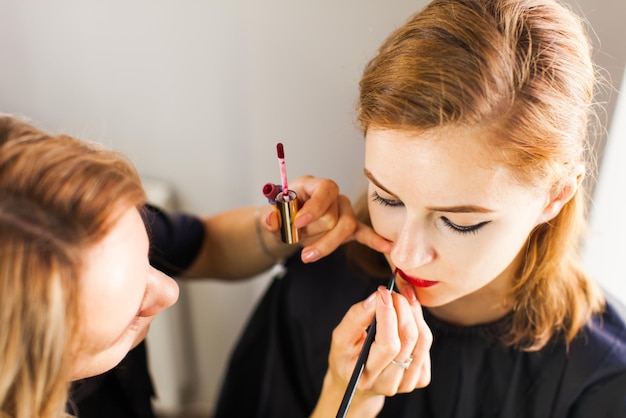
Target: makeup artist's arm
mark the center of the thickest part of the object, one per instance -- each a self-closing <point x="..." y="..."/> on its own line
<point x="243" y="242"/>
<point x="401" y="332"/>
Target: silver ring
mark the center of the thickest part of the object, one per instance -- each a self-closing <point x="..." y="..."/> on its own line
<point x="404" y="364"/>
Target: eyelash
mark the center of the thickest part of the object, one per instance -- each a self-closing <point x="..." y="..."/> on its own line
<point x="459" y="229"/>
<point x="386" y="202"/>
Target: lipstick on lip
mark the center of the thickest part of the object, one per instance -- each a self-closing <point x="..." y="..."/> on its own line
<point x="416" y="281"/>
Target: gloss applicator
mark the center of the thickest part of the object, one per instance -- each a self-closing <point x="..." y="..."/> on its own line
<point x="286" y="201"/>
<point x="360" y="361"/>
<point x="280" y="151"/>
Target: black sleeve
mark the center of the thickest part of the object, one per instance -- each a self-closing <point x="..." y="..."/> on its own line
<point x="126" y="390"/>
<point x="175" y="239"/>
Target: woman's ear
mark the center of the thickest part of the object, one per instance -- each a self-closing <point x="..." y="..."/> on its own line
<point x="559" y="197"/>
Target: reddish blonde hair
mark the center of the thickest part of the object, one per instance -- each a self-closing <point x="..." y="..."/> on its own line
<point x="58" y="197"/>
<point x="521" y="70"/>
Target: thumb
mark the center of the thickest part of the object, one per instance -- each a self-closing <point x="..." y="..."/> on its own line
<point x="269" y="219"/>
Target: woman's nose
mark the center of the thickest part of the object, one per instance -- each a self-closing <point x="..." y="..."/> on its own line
<point x="412" y="247"/>
<point x="161" y="293"/>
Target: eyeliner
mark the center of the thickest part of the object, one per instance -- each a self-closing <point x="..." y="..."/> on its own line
<point x="360" y="362"/>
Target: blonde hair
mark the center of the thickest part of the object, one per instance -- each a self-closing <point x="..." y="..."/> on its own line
<point x="522" y="70"/>
<point x="58" y="196"/>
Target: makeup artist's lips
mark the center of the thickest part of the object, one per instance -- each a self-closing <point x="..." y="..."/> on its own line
<point x="415" y="281"/>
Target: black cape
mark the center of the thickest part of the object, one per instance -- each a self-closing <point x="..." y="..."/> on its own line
<point x="279" y="362"/>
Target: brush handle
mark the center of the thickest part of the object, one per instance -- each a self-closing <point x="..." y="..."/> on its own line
<point x="358" y="370"/>
<point x="360" y="362"/>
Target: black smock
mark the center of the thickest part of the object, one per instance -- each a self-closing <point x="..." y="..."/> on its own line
<point x="278" y="365"/>
<point x="126" y="391"/>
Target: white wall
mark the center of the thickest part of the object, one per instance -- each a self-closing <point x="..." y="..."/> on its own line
<point x="199" y="92"/>
<point x="605" y="249"/>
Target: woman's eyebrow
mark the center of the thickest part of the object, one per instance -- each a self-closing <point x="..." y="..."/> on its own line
<point x="460" y="209"/>
<point x="371" y="178"/>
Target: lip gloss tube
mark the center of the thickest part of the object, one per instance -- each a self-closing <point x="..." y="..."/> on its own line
<point x="287" y="206"/>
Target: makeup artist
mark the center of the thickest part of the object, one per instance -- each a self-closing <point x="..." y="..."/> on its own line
<point x="476" y="116"/>
<point x="80" y="201"/>
<point x="76" y="289"/>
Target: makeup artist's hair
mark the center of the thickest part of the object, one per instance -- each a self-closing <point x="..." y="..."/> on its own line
<point x="58" y="197"/>
<point x="522" y="71"/>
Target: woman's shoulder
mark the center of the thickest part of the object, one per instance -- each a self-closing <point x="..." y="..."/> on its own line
<point x="595" y="376"/>
<point x="605" y="335"/>
<point x="599" y="351"/>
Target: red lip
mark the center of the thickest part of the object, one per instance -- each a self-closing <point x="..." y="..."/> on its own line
<point x="415" y="281"/>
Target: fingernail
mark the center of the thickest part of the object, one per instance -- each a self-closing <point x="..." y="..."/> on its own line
<point x="303" y="220"/>
<point x="369" y="302"/>
<point x="310" y="254"/>
<point x="385" y="295"/>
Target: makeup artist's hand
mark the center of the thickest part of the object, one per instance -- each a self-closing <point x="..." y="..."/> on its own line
<point x="325" y="219"/>
<point x="401" y="334"/>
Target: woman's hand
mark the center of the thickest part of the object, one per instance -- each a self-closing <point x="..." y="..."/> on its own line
<point x="325" y="220"/>
<point x="399" y="359"/>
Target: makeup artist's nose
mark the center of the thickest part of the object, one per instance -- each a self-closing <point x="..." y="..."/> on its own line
<point x="161" y="293"/>
<point x="412" y="248"/>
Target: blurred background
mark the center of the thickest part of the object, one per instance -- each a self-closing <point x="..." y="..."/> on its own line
<point x="198" y="92"/>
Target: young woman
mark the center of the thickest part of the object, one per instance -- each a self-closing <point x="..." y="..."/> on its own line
<point x="476" y="116"/>
<point x="78" y="289"/>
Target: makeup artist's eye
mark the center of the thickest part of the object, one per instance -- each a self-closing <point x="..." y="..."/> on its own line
<point x="463" y="229"/>
<point x="386" y="202"/>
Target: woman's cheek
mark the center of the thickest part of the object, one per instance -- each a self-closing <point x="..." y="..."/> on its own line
<point x="384" y="221"/>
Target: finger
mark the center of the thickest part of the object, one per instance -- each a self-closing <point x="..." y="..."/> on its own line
<point x="315" y="196"/>
<point x="270" y="219"/>
<point x="366" y="235"/>
<point x="332" y="238"/>
<point x="386" y="342"/>
<point x="418" y="374"/>
<point x="392" y="378"/>
<point x="323" y="223"/>
<point x="407" y="328"/>
<point x="424" y="374"/>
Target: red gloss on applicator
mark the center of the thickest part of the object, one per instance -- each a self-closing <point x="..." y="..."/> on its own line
<point x="280" y="152"/>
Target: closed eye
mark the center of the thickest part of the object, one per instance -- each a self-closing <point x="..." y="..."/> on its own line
<point x="386" y="202"/>
<point x="463" y="229"/>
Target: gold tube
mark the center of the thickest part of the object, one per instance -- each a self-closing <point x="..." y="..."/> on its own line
<point x="288" y="207"/>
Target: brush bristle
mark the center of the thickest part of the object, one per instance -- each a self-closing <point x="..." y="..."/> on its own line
<point x="280" y="151"/>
